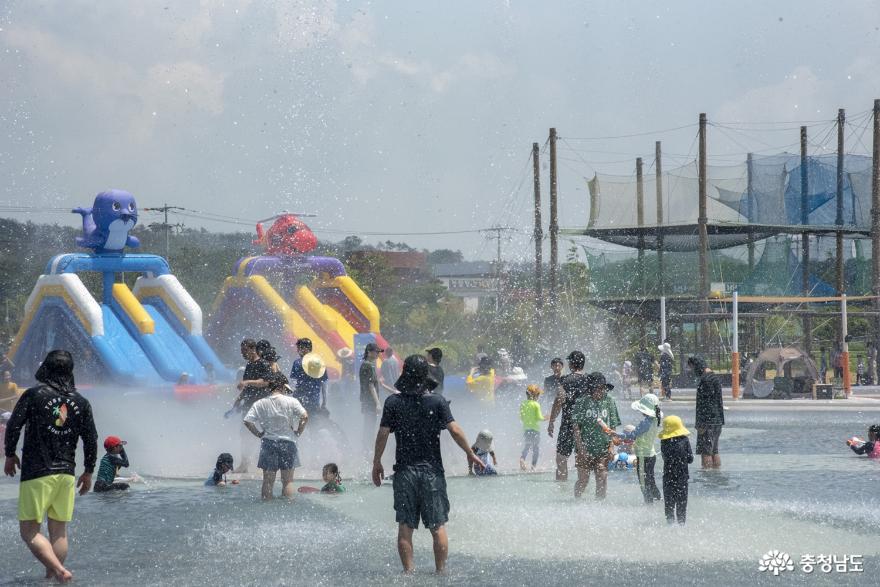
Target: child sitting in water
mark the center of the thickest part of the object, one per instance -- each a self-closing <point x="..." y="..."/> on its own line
<point x="218" y="477"/>
<point x="531" y="417"/>
<point x="483" y="449"/>
<point x="871" y="447"/>
<point x="332" y="479"/>
<point x="113" y="460"/>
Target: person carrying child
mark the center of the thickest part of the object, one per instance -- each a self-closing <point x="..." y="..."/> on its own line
<point x="594" y="418"/>
<point x="218" y="477"/>
<point x="332" y="479"/>
<point x="531" y="417"/>
<point x="871" y="447"/>
<point x="113" y="460"/>
<point x="484" y="449"/>
<point x="677" y="455"/>
<point x="642" y="438"/>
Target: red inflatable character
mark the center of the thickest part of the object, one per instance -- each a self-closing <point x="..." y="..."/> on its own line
<point x="288" y="235"/>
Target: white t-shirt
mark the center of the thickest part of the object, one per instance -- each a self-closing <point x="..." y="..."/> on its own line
<point x="277" y="415"/>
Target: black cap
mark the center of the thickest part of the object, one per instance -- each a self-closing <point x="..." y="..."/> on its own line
<point x="596" y="380"/>
<point x="436" y="354"/>
<point x="372" y="346"/>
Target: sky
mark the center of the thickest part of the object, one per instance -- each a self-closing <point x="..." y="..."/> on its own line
<point x="406" y="117"/>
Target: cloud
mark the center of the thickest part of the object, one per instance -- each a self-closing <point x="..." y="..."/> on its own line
<point x="166" y="89"/>
<point x="798" y="94"/>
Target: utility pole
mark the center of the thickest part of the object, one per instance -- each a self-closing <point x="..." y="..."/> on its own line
<point x="497" y="236"/>
<point x="539" y="237"/>
<point x="640" y="221"/>
<point x="554" y="228"/>
<point x="805" y="240"/>
<point x="702" y="224"/>
<point x="841" y="123"/>
<point x="750" y="202"/>
<point x="164" y="225"/>
<point x="875" y="222"/>
<point x="659" y="180"/>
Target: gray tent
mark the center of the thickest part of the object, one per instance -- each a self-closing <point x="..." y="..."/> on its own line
<point x="789" y="362"/>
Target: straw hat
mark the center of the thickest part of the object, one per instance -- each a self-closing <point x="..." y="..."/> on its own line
<point x="313" y="365"/>
<point x="673" y="427"/>
<point x="647" y="404"/>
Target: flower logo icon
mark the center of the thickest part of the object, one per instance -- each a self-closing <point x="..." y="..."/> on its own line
<point x="775" y="562"/>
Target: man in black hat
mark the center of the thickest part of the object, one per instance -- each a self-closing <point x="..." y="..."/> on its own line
<point x="573" y="386"/>
<point x="54" y="417"/>
<point x="594" y="417"/>
<point x="417" y="417"/>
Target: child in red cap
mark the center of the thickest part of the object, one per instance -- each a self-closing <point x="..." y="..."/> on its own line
<point x="112" y="461"/>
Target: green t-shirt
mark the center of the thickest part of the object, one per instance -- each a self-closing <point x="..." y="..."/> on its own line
<point x="530" y="415"/>
<point x="586" y="413"/>
<point x="333" y="488"/>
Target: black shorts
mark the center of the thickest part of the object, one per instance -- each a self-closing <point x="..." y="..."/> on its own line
<point x="707" y="440"/>
<point x="420" y="493"/>
<point x="565" y="439"/>
<point x="278" y="455"/>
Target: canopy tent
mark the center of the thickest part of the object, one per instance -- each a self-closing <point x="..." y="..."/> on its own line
<point x="793" y="363"/>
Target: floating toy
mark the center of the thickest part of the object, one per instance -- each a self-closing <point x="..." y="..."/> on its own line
<point x="855" y="441"/>
<point x="107" y="223"/>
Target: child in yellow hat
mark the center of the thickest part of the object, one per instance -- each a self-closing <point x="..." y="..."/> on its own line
<point x="676" y="450"/>
<point x="531" y="417"/>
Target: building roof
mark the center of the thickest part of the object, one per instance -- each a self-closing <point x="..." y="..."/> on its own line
<point x="464" y="269"/>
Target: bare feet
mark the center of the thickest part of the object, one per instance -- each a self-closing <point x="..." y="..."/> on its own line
<point x="522" y="464"/>
<point x="62" y="575"/>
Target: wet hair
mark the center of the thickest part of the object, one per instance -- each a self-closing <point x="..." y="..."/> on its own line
<point x="874" y="430"/>
<point x="556" y="361"/>
<point x="57" y="371"/>
<point x="304" y="343"/>
<point x="436" y="354"/>
<point x="577" y="360"/>
<point x="248" y="343"/>
<point x="267" y="351"/>
<point x="332" y="468"/>
<point x="276" y="381"/>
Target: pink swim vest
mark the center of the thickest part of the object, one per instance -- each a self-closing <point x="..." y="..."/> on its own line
<point x="875" y="454"/>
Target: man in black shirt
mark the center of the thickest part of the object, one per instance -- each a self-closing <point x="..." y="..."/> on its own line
<point x="709" y="413"/>
<point x="435" y="371"/>
<point x="254" y="385"/>
<point x="573" y="386"/>
<point x="416" y="417"/>
<point x="54" y="417"/>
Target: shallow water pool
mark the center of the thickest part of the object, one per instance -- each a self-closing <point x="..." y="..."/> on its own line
<point x="788" y="482"/>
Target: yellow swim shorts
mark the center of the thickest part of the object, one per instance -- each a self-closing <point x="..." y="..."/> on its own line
<point x="52" y="494"/>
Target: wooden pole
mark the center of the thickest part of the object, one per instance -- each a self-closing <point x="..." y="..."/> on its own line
<point x="841" y="123"/>
<point x="658" y="164"/>
<point x="539" y="235"/>
<point x="847" y="386"/>
<point x="702" y="222"/>
<point x="554" y="226"/>
<point x="750" y="203"/>
<point x="805" y="239"/>
<point x="875" y="221"/>
<point x="640" y="220"/>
